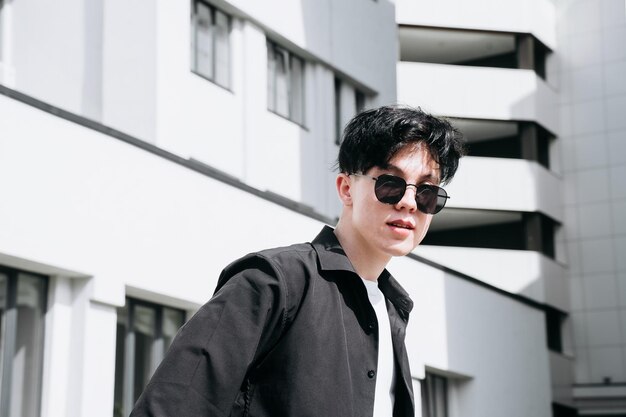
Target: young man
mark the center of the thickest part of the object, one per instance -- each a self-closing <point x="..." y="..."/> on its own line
<point x="317" y="329"/>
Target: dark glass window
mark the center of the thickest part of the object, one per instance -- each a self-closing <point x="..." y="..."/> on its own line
<point x="285" y="83"/>
<point x="144" y="333"/>
<point x="434" y="396"/>
<point x="22" y="311"/>
<point x="554" y="325"/>
<point x="338" y="124"/>
<point x="210" y="43"/>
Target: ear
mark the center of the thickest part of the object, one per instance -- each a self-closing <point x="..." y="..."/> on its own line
<point x="344" y="189"/>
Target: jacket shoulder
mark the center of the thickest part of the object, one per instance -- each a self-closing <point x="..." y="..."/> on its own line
<point x="292" y="266"/>
<point x="274" y="258"/>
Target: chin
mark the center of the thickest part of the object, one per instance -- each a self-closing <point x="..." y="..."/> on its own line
<point x="400" y="250"/>
<point x="405" y="247"/>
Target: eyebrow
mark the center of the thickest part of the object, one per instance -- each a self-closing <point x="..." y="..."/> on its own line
<point x="398" y="170"/>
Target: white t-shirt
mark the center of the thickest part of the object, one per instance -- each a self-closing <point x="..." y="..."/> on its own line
<point x="385" y="374"/>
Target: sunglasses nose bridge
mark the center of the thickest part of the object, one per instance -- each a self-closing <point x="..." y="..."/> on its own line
<point x="415" y="190"/>
<point x="412" y="199"/>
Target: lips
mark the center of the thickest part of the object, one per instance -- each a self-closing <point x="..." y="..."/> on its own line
<point x="403" y="224"/>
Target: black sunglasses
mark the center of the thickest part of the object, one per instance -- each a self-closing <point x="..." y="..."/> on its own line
<point x="390" y="189"/>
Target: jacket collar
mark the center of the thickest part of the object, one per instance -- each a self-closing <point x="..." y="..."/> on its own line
<point x="332" y="257"/>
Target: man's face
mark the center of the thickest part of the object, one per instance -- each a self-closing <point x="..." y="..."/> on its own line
<point x="385" y="230"/>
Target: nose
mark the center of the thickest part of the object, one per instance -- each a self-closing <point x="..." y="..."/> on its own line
<point x="408" y="200"/>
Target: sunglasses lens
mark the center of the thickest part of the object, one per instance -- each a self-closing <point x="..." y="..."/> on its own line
<point x="430" y="198"/>
<point x="389" y="189"/>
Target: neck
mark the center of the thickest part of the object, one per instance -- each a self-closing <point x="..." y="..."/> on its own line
<point x="367" y="265"/>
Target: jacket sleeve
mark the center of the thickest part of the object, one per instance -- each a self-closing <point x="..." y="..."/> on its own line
<point x="203" y="372"/>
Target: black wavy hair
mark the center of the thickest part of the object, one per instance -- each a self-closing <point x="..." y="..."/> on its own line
<point x="373" y="137"/>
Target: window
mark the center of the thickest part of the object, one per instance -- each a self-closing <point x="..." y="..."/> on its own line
<point x="434" y="396"/>
<point x="22" y="309"/>
<point x="210" y="43"/>
<point x="344" y="113"/>
<point x="554" y="326"/>
<point x="285" y="83"/>
<point x="144" y="333"/>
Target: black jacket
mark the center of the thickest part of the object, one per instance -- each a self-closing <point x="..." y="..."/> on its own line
<point x="288" y="332"/>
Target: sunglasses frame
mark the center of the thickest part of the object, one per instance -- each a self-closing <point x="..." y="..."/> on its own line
<point x="445" y="195"/>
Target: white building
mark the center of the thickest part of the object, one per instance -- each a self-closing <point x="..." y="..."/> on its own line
<point x="539" y="88"/>
<point x="145" y="145"/>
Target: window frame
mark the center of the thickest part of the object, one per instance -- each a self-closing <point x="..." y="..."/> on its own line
<point x="158" y="350"/>
<point x="8" y="336"/>
<point x="294" y="104"/>
<point x="214" y="29"/>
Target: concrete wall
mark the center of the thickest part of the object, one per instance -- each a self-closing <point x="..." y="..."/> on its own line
<point x="592" y="82"/>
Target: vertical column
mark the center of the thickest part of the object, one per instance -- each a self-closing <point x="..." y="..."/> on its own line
<point x="525" y="52"/>
<point x="539" y="231"/>
<point x="254" y="80"/>
<point x="533" y="229"/>
<point x="97" y="390"/>
<point x="10" y="337"/>
<point x="58" y="361"/>
<point x="535" y="143"/>
<point x="89" y="390"/>
<point x="529" y="141"/>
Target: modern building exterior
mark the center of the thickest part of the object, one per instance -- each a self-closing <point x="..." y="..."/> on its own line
<point x="145" y="145"/>
<point x="538" y="88"/>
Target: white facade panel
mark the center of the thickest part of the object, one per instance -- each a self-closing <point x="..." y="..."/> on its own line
<point x="118" y="195"/>
<point x="48" y="50"/>
<point x="528" y="16"/>
<point x="129" y="67"/>
<point x="526" y="273"/>
<point x="478" y="92"/>
<point x="506" y="184"/>
<point x="452" y="330"/>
